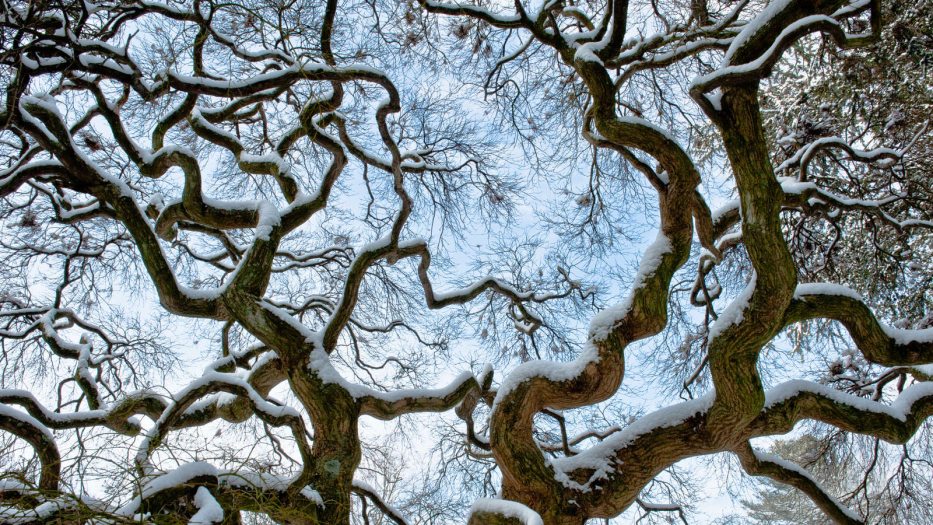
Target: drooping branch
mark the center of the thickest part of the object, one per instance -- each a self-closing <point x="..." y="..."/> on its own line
<point x="40" y="438"/>
<point x="366" y="491"/>
<point x="761" y="464"/>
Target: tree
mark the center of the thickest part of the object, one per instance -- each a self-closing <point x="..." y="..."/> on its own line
<point x="279" y="177"/>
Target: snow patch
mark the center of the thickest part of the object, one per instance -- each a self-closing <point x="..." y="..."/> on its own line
<point x="510" y="509"/>
<point x="550" y="370"/>
<point x="735" y="312"/>
<point x="805" y="289"/>
<point x="603" y="322"/>
<point x="209" y="511"/>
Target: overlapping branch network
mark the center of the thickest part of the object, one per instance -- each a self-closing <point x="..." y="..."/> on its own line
<point x="254" y="131"/>
<point x="605" y="479"/>
<point x="79" y="89"/>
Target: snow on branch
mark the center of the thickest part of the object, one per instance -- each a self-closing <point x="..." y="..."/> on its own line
<point x="389" y="405"/>
<point x="212" y="382"/>
<point x="209" y="511"/>
<point x="879" y="343"/>
<point x="30" y="430"/>
<point x="502" y="512"/>
<point x="794" y="401"/>
<point x="763" y="464"/>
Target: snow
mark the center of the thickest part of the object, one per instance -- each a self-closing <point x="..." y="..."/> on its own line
<point x="309" y="335"/>
<point x="261" y="403"/>
<point x="47" y="103"/>
<point x="715" y="78"/>
<point x="468" y="290"/>
<point x="792" y="186"/>
<point x="603" y="322"/>
<point x="42" y="513"/>
<point x="914" y="393"/>
<point x="663" y="507"/>
<point x="269" y="220"/>
<point x="25" y="418"/>
<point x="601" y="468"/>
<point x="805" y="289"/>
<point x="12" y="484"/>
<point x="899" y="335"/>
<point x="179" y="476"/>
<point x="851" y="9"/>
<point x="266" y="158"/>
<point x="805" y="154"/>
<point x="755" y="25"/>
<point x="93" y="42"/>
<point x="413" y="393"/>
<point x="586" y="53"/>
<point x="265" y="480"/>
<point x="209" y="511"/>
<point x="364" y="69"/>
<point x="903" y="336"/>
<point x="211" y="383"/>
<point x="28" y="117"/>
<point x="319" y="362"/>
<point x="81" y="365"/>
<point x="312" y="495"/>
<point x="899" y="409"/>
<point x="43" y="62"/>
<point x="218" y="399"/>
<point x="486" y="372"/>
<point x="720" y="212"/>
<point x="261" y="81"/>
<point x="206" y="294"/>
<point x="172" y="8"/>
<point x="599" y="457"/>
<point x="913" y="223"/>
<point x="628" y="119"/>
<point x="735" y="312"/>
<point x="376" y="245"/>
<point x="550" y="370"/>
<point x="510" y="509"/>
<point x="197" y="118"/>
<point x="91" y="60"/>
<point x="258" y="79"/>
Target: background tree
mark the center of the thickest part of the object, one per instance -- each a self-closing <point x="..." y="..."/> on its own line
<point x="294" y="183"/>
